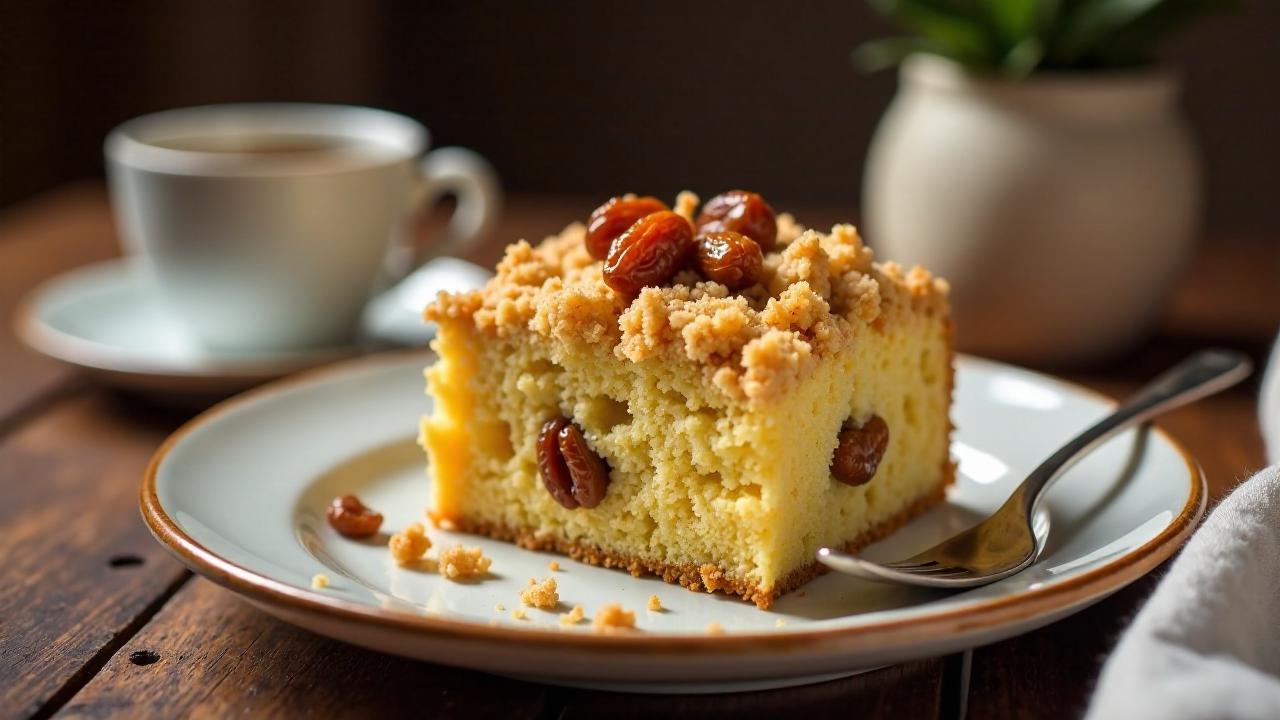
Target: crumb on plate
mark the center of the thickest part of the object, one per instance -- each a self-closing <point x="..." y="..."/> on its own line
<point x="500" y="607"/>
<point x="655" y="603"/>
<point x="319" y="581"/>
<point x="573" y="617"/>
<point x="714" y="629"/>
<point x="540" y="594"/>
<point x="554" y="566"/>
<point x="613" y="617"/>
<point x="408" y="546"/>
<point x="460" y="562"/>
<point x="780" y="623"/>
<point x="518" y="613"/>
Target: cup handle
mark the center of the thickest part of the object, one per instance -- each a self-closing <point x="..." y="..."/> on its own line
<point x="473" y="181"/>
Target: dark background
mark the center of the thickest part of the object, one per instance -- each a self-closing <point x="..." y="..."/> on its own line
<point x="582" y="97"/>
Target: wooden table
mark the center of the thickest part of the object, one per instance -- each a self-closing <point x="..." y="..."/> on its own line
<point x="87" y="597"/>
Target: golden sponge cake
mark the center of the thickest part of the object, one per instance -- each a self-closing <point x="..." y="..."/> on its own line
<point x="717" y="414"/>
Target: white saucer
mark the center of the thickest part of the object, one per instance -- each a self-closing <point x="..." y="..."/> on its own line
<point x="102" y="318"/>
<point x="239" y="493"/>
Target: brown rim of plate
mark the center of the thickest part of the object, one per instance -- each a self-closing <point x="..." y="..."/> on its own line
<point x="986" y="615"/>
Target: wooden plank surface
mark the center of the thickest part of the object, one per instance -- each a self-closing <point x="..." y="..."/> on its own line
<point x="39" y="239"/>
<point x="910" y="690"/>
<point x="70" y="456"/>
<point x="213" y="656"/>
<point x="79" y="573"/>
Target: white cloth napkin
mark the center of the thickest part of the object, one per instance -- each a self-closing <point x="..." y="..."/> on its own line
<point x="1207" y="643"/>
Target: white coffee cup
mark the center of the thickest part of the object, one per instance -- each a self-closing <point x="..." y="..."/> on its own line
<point x="267" y="227"/>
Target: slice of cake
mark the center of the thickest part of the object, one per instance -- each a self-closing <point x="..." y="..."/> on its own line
<point x="707" y="396"/>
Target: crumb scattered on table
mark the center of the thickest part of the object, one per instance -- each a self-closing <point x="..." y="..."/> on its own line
<point x="319" y="581"/>
<point x="655" y="603"/>
<point x="540" y="594"/>
<point x="714" y="629"/>
<point x="518" y="613"/>
<point x="613" y="617"/>
<point x="554" y="566"/>
<point x="460" y="562"/>
<point x="409" y="546"/>
<point x="573" y="617"/>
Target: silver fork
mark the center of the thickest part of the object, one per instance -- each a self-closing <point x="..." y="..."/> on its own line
<point x="1005" y="543"/>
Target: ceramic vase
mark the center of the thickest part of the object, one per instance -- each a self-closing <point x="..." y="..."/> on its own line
<point x="1061" y="208"/>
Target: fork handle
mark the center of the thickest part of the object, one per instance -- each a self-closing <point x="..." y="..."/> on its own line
<point x="1199" y="376"/>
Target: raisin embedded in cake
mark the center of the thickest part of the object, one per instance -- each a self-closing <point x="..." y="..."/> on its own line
<point x="707" y="396"/>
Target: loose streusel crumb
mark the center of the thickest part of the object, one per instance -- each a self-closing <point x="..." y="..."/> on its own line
<point x="654" y="604"/>
<point x="613" y="617"/>
<point x="780" y="623"/>
<point x="458" y="562"/>
<point x="409" y="546"/>
<point x="714" y="629"/>
<point x="518" y="614"/>
<point x="816" y="292"/>
<point x="500" y="607"/>
<point x="553" y="566"/>
<point x="319" y="581"/>
<point x="540" y="594"/>
<point x="573" y="617"/>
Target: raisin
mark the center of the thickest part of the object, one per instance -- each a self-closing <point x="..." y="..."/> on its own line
<point x="589" y="471"/>
<point x="740" y="211"/>
<point x="551" y="464"/>
<point x="649" y="253"/>
<point x="860" y="451"/>
<point x="613" y="218"/>
<point x="729" y="258"/>
<point x="351" y="518"/>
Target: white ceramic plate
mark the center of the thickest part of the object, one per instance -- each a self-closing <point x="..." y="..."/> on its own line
<point x="102" y="318"/>
<point x="239" y="494"/>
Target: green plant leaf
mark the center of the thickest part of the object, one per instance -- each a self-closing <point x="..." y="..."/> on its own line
<point x="961" y="36"/>
<point x="1018" y="37"/>
<point x="1023" y="58"/>
<point x="1014" y="21"/>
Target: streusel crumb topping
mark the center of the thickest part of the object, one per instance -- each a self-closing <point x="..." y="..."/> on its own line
<point x="613" y="617"/>
<point x="814" y="293"/>
<point x="409" y="545"/>
<point x="573" y="617"/>
<point x="540" y="594"/>
<point x="460" y="563"/>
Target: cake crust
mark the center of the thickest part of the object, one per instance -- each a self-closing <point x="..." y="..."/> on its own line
<point x="708" y="578"/>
